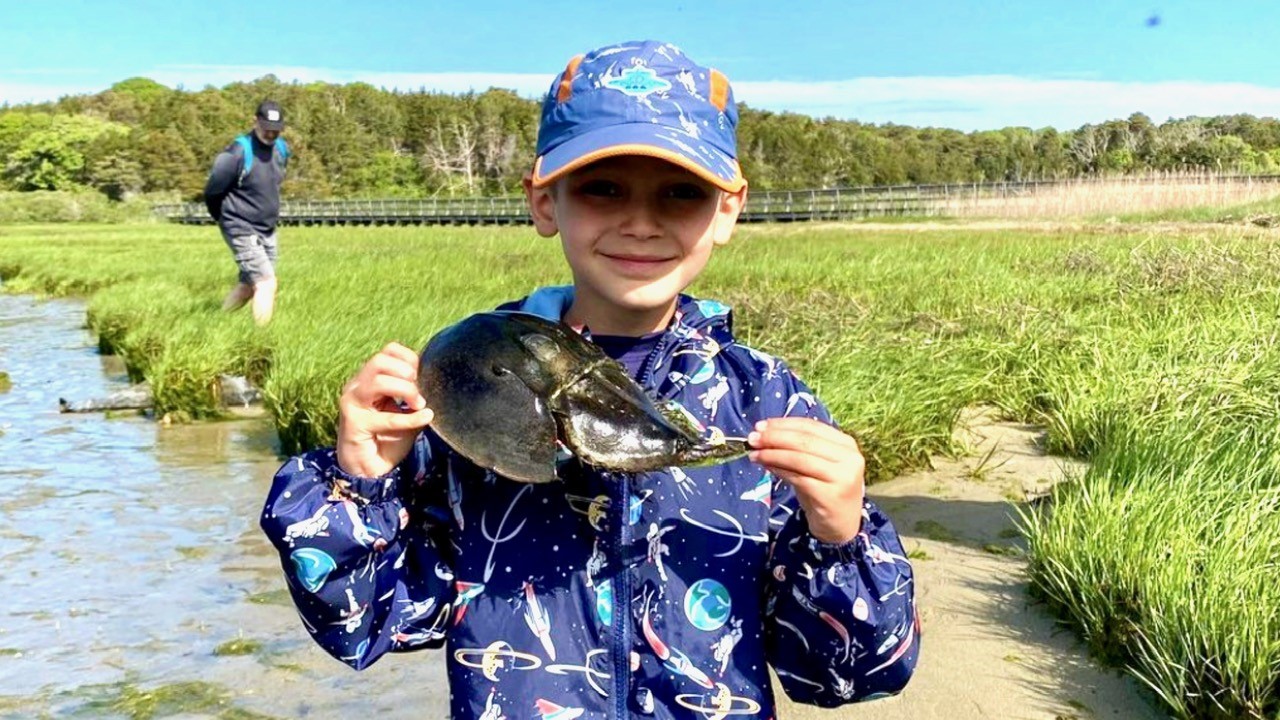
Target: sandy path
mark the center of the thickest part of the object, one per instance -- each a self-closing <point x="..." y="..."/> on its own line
<point x="988" y="651"/>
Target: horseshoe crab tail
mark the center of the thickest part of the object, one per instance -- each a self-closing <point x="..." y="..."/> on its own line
<point x="712" y="453"/>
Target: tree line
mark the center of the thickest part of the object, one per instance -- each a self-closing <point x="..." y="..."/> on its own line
<point x="355" y="140"/>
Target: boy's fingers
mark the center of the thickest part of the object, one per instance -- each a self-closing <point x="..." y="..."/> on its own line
<point x="800" y="440"/>
<point x="405" y="421"/>
<point x="395" y="360"/>
<point x="793" y="461"/>
<point x="402" y="353"/>
<point x="809" y="425"/>
<point x="802" y="483"/>
<point x="388" y="364"/>
<point x="386" y="386"/>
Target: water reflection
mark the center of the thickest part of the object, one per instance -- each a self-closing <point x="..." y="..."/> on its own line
<point x="131" y="558"/>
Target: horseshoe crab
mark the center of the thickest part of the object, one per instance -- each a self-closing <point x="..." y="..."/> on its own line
<point x="505" y="386"/>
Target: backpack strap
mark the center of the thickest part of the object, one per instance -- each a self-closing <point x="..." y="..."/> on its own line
<point x="246" y="144"/>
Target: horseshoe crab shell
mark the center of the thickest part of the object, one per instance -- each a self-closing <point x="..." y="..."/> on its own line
<point x="505" y="386"/>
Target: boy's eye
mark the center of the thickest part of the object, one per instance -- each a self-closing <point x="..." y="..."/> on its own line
<point x="600" y="188"/>
<point x="686" y="191"/>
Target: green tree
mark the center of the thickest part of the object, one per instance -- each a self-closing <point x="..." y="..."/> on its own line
<point x="44" y="162"/>
<point x="117" y="175"/>
<point x="54" y="158"/>
<point x="1051" y="160"/>
<point x="359" y="140"/>
<point x="168" y="163"/>
<point x="1227" y="153"/>
<point x="388" y="174"/>
<point x="1118" y="160"/>
<point x="991" y="156"/>
<point x="308" y="177"/>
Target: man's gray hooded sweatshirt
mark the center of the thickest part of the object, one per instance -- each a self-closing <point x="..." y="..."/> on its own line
<point x="248" y="205"/>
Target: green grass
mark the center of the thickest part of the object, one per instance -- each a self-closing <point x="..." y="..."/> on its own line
<point x="1152" y="354"/>
<point x="1263" y="213"/>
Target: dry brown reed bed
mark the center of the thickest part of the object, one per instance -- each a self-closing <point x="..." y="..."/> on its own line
<point x="1094" y="197"/>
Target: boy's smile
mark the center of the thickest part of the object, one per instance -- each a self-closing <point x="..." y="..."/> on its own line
<point x="637" y="266"/>
<point x="636" y="232"/>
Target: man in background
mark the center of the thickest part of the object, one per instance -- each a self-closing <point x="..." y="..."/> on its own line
<point x="243" y="197"/>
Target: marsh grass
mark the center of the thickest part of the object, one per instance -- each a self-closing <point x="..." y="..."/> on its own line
<point x="1152" y="354"/>
<point x="1165" y="557"/>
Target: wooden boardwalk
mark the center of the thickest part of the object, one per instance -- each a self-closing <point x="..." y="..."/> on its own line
<point x="762" y="206"/>
<point x="775" y="206"/>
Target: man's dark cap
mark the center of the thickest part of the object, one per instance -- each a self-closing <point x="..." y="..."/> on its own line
<point x="270" y="115"/>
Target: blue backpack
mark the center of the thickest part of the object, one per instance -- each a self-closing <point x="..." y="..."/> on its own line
<point x="246" y="144"/>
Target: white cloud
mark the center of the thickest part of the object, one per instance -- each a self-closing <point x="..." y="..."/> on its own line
<point x="28" y="92"/>
<point x="994" y="101"/>
<point x="967" y="102"/>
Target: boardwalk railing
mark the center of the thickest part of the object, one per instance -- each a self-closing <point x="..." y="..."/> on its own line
<point x="767" y="206"/>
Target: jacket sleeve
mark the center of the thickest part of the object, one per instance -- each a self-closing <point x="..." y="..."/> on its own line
<point x="841" y="622"/>
<point x="362" y="556"/>
<point x="226" y="168"/>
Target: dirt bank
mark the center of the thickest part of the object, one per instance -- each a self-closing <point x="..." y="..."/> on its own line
<point x="988" y="651"/>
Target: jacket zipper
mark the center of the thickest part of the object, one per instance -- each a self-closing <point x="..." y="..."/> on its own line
<point x="651" y="362"/>
<point x="622" y="601"/>
<point x="622" y="587"/>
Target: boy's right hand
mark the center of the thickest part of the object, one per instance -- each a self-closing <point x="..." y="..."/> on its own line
<point x="374" y="433"/>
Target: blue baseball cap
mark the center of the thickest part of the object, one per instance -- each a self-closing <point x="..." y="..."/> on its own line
<point x="639" y="98"/>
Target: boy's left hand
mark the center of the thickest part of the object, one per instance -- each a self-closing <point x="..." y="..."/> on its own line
<point x="824" y="466"/>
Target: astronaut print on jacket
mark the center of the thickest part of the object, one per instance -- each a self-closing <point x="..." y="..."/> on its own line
<point x="666" y="594"/>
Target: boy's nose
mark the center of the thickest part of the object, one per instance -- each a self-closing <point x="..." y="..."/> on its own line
<point x="641" y="220"/>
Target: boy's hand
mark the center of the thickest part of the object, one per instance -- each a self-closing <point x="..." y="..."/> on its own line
<point x="374" y="434"/>
<point x="824" y="466"/>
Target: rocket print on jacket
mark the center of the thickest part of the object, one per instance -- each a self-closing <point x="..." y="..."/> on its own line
<point x="666" y="593"/>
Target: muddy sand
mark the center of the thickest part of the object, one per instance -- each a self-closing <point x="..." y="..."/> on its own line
<point x="988" y="650"/>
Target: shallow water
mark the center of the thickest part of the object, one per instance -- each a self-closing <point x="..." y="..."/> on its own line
<point x="131" y="561"/>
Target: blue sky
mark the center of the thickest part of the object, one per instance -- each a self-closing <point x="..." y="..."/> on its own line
<point x="957" y="64"/>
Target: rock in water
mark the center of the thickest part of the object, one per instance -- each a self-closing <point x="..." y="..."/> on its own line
<point x="234" y="391"/>
<point x="134" y="397"/>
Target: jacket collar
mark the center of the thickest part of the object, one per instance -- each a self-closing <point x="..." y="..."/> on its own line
<point x="548" y="302"/>
<point x="693" y="317"/>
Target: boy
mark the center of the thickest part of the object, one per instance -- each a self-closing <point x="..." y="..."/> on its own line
<point x="665" y="593"/>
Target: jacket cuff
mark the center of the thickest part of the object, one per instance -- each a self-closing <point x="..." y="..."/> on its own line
<point x="842" y="553"/>
<point x="361" y="490"/>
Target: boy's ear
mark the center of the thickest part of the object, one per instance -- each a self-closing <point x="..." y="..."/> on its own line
<point x="731" y="205"/>
<point x="542" y="206"/>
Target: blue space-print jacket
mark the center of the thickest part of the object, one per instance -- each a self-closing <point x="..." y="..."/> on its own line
<point x="664" y="594"/>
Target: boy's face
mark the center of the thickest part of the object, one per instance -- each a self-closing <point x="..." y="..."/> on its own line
<point x="636" y="230"/>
